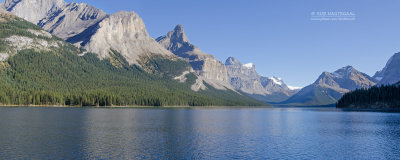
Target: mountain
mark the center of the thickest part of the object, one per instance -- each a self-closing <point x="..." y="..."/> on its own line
<point x="71" y="19"/>
<point x="37" y="68"/>
<point x="33" y="10"/>
<point x="92" y="29"/>
<point x="209" y="69"/>
<point x="329" y="87"/>
<point x="245" y="78"/>
<point x="391" y="73"/>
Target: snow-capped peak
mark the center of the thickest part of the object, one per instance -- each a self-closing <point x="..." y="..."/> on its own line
<point x="294" y="88"/>
<point x="276" y="80"/>
<point x="249" y="65"/>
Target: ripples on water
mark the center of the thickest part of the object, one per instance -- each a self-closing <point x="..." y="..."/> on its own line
<point x="239" y="133"/>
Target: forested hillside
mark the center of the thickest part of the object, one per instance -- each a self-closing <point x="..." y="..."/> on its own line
<point x="58" y="76"/>
<point x="375" y="97"/>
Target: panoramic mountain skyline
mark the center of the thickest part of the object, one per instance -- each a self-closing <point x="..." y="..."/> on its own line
<point x="122" y="39"/>
<point x="259" y="31"/>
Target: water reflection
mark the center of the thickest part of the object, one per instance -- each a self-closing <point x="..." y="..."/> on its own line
<point x="239" y="133"/>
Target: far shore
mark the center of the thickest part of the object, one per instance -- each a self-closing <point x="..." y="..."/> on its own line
<point x="66" y="106"/>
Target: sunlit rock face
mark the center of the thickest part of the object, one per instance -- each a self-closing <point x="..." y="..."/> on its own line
<point x="90" y="28"/>
<point x="33" y="10"/>
<point x="126" y="33"/>
<point x="209" y="69"/>
<point x="245" y="78"/>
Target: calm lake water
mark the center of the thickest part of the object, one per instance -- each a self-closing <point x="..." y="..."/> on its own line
<point x="219" y="133"/>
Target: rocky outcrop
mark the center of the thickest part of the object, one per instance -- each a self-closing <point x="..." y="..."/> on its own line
<point x="391" y="73"/>
<point x="31" y="37"/>
<point x="125" y="33"/>
<point x="71" y="20"/>
<point x="90" y="28"/>
<point x="329" y="87"/>
<point x="276" y="85"/>
<point x="245" y="78"/>
<point x="209" y="69"/>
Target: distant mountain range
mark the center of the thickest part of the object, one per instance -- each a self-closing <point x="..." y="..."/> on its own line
<point x="245" y="78"/>
<point x="329" y="87"/>
<point x="122" y="39"/>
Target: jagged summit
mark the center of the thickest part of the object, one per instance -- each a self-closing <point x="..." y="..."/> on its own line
<point x="345" y="71"/>
<point x="245" y="78"/>
<point x="390" y="74"/>
<point x="90" y="28"/>
<point x="177" y="42"/>
<point x="205" y="65"/>
<point x="232" y="61"/>
<point x="72" y="20"/>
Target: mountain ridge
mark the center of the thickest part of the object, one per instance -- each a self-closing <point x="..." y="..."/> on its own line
<point x="40" y="73"/>
<point x="245" y="78"/>
<point x="329" y="87"/>
<point x="205" y="65"/>
<point x="91" y="28"/>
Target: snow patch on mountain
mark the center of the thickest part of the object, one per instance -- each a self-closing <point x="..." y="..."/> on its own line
<point x="276" y="80"/>
<point x="249" y="65"/>
<point x="294" y="87"/>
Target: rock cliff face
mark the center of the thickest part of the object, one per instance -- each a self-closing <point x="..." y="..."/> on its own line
<point x="391" y="73"/>
<point x="71" y="20"/>
<point x="90" y="28"/>
<point x="329" y="87"/>
<point x="125" y="33"/>
<point x="245" y="78"/>
<point x="33" y="10"/>
<point x="209" y="69"/>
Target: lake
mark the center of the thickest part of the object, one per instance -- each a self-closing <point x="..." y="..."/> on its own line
<point x="197" y="133"/>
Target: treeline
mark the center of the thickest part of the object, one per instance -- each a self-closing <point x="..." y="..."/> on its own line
<point x="46" y="78"/>
<point x="61" y="77"/>
<point x="376" y="97"/>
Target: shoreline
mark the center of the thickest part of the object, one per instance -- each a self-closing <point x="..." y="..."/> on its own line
<point x="64" y="106"/>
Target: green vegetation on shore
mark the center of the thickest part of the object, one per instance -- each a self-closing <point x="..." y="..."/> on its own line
<point x="376" y="97"/>
<point x="63" y="78"/>
<point x="60" y="77"/>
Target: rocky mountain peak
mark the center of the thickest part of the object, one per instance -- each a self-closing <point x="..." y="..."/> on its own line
<point x="177" y="42"/>
<point x="232" y="61"/>
<point x="347" y="77"/>
<point x="69" y="22"/>
<point x="345" y="71"/>
<point x="205" y="65"/>
<point x="329" y="87"/>
<point x="390" y="74"/>
<point x="124" y="32"/>
<point x="179" y="34"/>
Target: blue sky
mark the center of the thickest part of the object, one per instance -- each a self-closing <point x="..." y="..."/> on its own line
<point x="279" y="37"/>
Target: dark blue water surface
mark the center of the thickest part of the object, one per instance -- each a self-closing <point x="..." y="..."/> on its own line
<point x="219" y="133"/>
